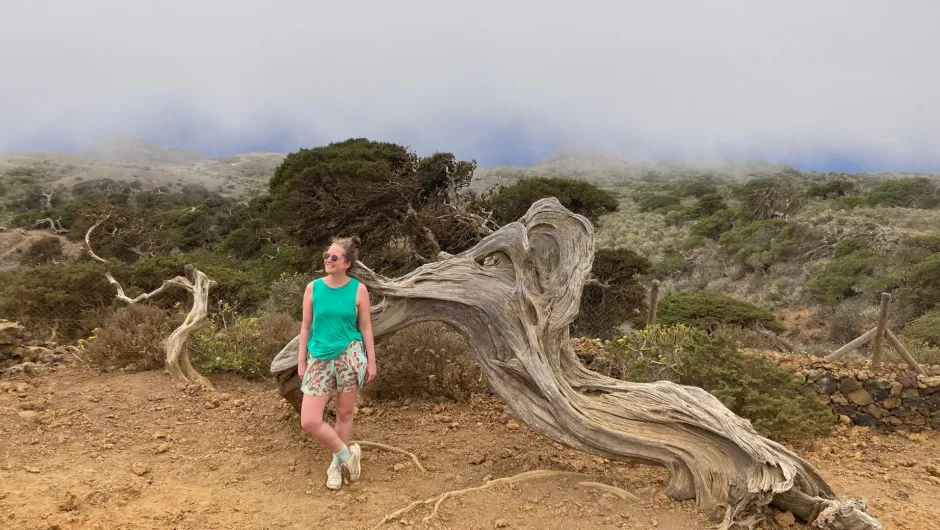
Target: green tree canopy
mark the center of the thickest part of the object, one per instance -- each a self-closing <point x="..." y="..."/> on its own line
<point x="511" y="202"/>
<point x="405" y="208"/>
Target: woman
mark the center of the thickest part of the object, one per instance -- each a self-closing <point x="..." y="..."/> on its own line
<point x="336" y="354"/>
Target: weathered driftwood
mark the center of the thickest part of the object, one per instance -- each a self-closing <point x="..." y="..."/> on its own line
<point x="513" y="296"/>
<point x="177" y="362"/>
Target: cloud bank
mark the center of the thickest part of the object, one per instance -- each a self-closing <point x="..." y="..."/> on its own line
<point x="814" y="84"/>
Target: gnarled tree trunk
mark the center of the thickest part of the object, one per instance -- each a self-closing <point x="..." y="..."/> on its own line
<point x="196" y="283"/>
<point x="513" y="296"/>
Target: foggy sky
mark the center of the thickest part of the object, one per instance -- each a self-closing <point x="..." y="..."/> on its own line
<point x="815" y="84"/>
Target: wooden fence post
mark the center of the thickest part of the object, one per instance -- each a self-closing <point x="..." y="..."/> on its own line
<point x="654" y="303"/>
<point x="880" y="331"/>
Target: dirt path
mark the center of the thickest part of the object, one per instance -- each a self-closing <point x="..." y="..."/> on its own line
<point x="132" y="451"/>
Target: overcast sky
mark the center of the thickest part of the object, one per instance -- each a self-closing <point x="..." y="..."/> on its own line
<point x="819" y="84"/>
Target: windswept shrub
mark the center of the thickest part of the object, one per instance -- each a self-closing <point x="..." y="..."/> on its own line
<point x="763" y="243"/>
<point x="621" y="300"/>
<point x="59" y="298"/>
<point x="920" y="289"/>
<point x="715" y="225"/>
<point x="240" y="344"/>
<point x="287" y="293"/>
<point x="839" y="279"/>
<point x="708" y="309"/>
<point x="511" y="202"/>
<point x="428" y="359"/>
<point x="659" y="203"/>
<point x="768" y="198"/>
<point x="44" y="251"/>
<point x="926" y="329"/>
<point x="131" y="335"/>
<point x="850" y="245"/>
<point x="918" y="192"/>
<point x="832" y="189"/>
<point x="749" y="385"/>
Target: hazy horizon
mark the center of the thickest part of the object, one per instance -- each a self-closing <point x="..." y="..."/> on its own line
<point x="840" y="86"/>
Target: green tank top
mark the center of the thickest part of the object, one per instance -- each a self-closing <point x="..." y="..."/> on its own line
<point x="335" y="324"/>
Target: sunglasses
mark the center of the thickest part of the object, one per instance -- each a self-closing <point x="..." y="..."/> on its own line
<point x="331" y="257"/>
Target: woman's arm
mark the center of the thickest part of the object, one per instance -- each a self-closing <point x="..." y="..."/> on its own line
<point x="305" y="331"/>
<point x="364" y="307"/>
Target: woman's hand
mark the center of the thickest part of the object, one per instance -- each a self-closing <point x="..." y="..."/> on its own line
<point x="370" y="371"/>
<point x="301" y="369"/>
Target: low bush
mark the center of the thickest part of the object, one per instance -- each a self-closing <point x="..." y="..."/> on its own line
<point x="708" y="309"/>
<point x="44" y="251"/>
<point x="622" y="300"/>
<point x="715" y="225"/>
<point x="242" y="345"/>
<point x="659" y="203"/>
<point x="926" y="329"/>
<point x="286" y="294"/>
<point x="429" y="359"/>
<point x="920" y="290"/>
<point x="750" y="386"/>
<point x="763" y="243"/>
<point x="131" y="335"/>
<point x="838" y="279"/>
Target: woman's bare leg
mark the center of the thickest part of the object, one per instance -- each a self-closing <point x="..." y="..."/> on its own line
<point x="345" y="408"/>
<point x="311" y="420"/>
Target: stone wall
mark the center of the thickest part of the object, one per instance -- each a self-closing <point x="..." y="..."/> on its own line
<point x="891" y="398"/>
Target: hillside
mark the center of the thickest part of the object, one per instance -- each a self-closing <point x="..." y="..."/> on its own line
<point x="25" y="175"/>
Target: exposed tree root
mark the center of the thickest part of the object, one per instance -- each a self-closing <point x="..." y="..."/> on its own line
<point x="438" y="500"/>
<point x="391" y="449"/>
<point x="620" y="492"/>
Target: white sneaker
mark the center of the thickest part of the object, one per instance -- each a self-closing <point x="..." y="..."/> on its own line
<point x="334" y="476"/>
<point x="353" y="466"/>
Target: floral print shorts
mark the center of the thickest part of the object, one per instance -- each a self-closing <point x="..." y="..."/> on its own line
<point x="342" y="374"/>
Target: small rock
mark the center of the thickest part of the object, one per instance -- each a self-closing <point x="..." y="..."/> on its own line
<point x="896" y="389"/>
<point x="501" y="523"/>
<point x="162" y="449"/>
<point x="366" y="411"/>
<point x="932" y="470"/>
<point x="398" y="467"/>
<point x="27" y="414"/>
<point x="140" y="469"/>
<point x="477" y="459"/>
<point x="69" y="502"/>
<point x="159" y="435"/>
<point x="785" y="519"/>
<point x="654" y="523"/>
<point x="849" y="384"/>
<point x="935" y="480"/>
<point x="32" y="469"/>
<point x="860" y="397"/>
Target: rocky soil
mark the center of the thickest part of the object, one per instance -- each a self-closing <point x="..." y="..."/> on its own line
<point x="118" y="450"/>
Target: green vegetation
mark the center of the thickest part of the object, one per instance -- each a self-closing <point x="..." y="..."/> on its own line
<point x="619" y="300"/>
<point x="751" y="386"/>
<point x="839" y="278"/>
<point x="926" y="329"/>
<point x="708" y="309"/>
<point x="509" y="203"/>
<point x="906" y="193"/>
<point x="659" y="203"/>
<point x="763" y="243"/>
